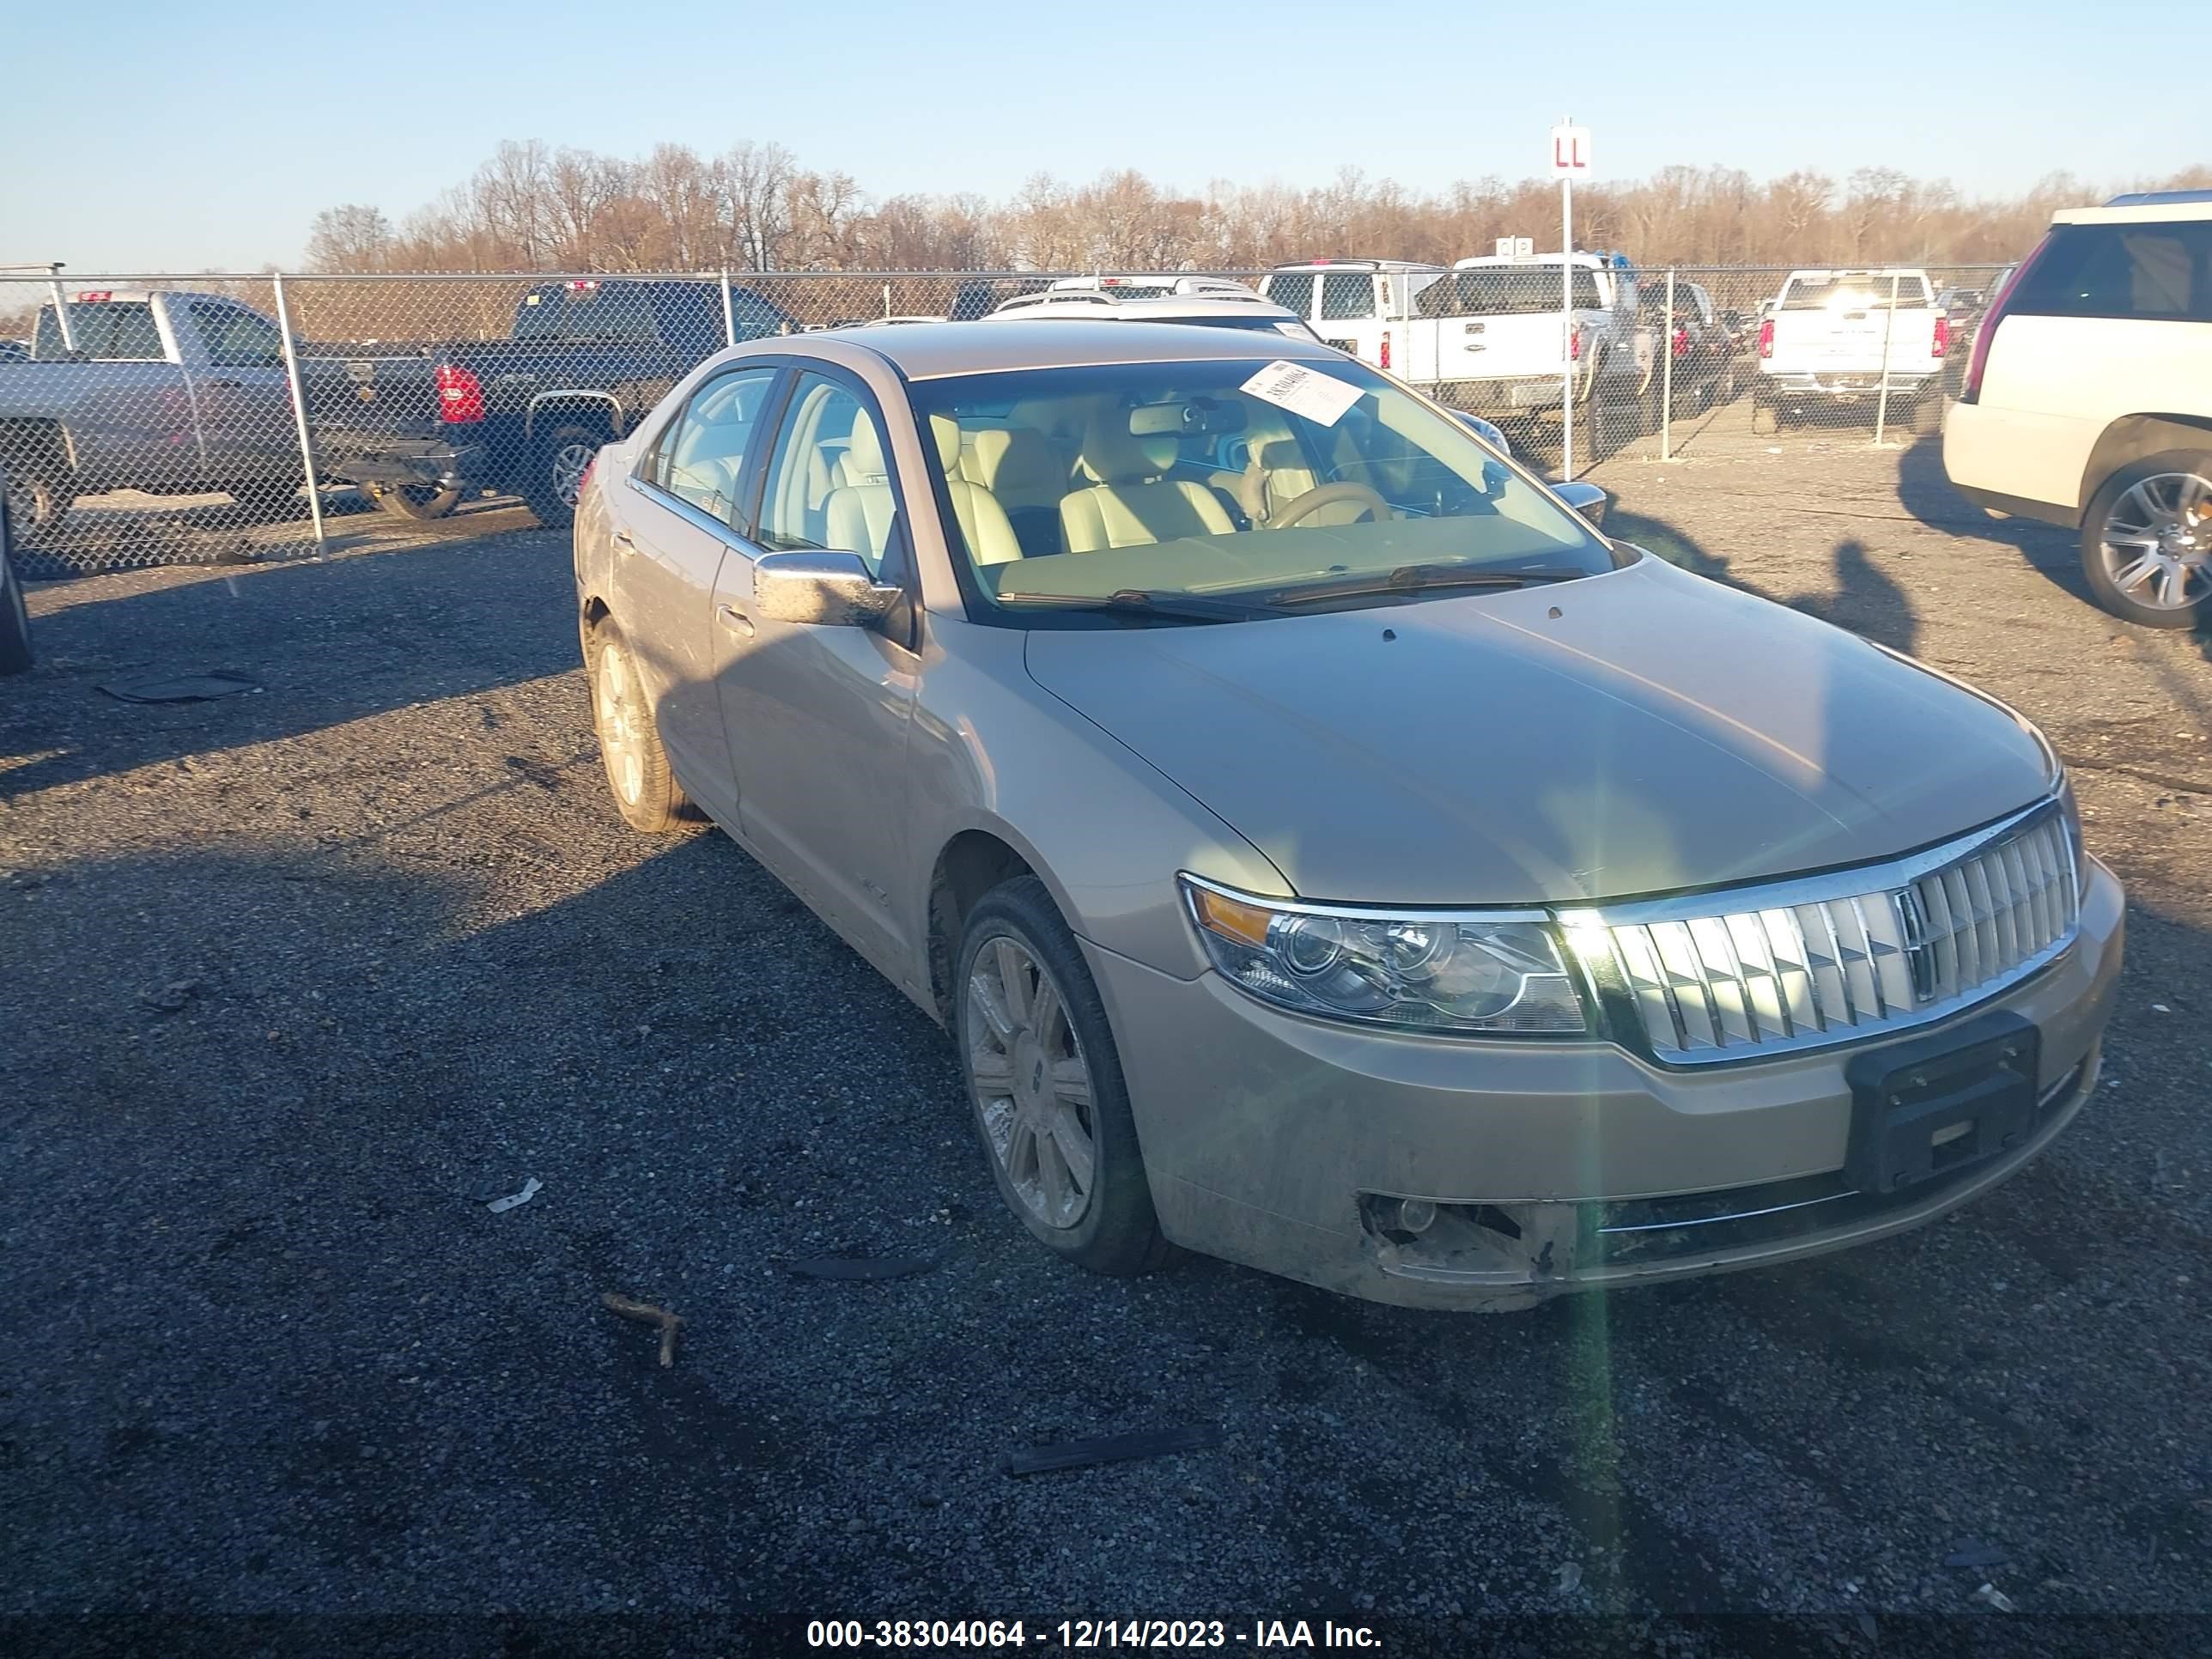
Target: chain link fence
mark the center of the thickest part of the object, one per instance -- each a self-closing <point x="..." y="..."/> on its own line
<point x="164" y="419"/>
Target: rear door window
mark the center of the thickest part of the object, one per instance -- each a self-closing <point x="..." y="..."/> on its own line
<point x="1293" y="289"/>
<point x="701" y="458"/>
<point x="1346" y="294"/>
<point x="2154" y="272"/>
<point x="105" y="331"/>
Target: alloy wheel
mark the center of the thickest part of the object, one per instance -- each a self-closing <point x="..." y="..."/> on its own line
<point x="2156" y="541"/>
<point x="1030" y="1082"/>
<point x="614" y="708"/>
<point x="570" y="462"/>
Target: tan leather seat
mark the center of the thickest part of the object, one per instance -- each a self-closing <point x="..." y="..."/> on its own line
<point x="1133" y="503"/>
<point x="859" y="514"/>
<point x="1027" y="473"/>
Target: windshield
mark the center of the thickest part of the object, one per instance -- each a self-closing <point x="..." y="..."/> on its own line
<point x="1853" y="290"/>
<point x="1267" y="484"/>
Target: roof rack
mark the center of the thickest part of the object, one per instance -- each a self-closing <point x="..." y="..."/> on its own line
<point x="2159" y="198"/>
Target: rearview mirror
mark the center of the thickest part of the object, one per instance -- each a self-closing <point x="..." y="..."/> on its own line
<point x="823" y="589"/>
<point x="1586" y="498"/>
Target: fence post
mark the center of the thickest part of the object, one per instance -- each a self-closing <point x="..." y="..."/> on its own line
<point x="729" y="311"/>
<point x="1888" y="328"/>
<point x="1667" y="376"/>
<point x="300" y="413"/>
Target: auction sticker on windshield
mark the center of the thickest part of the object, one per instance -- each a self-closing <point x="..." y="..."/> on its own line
<point x="1320" y="397"/>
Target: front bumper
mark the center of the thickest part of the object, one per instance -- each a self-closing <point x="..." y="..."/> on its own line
<point x="1286" y="1143"/>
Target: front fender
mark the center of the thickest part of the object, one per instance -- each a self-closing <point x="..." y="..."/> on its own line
<point x="1104" y="830"/>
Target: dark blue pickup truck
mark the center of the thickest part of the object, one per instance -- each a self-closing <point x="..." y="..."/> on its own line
<point x="425" y="425"/>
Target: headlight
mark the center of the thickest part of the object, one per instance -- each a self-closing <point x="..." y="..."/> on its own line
<point x="1471" y="972"/>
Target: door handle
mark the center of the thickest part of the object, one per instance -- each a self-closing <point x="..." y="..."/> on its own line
<point x="735" y="620"/>
<point x="625" y="541"/>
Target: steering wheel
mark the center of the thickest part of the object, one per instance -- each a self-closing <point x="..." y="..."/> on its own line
<point x="1327" y="494"/>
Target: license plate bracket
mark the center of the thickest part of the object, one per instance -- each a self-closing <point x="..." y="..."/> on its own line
<point x="1923" y="1108"/>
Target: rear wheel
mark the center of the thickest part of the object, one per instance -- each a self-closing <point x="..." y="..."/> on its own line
<point x="1044" y="1080"/>
<point x="412" y="501"/>
<point x="553" y="475"/>
<point x="2146" y="541"/>
<point x="639" y="775"/>
<point x="36" y="507"/>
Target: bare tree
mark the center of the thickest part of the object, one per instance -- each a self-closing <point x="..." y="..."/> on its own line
<point x="352" y="238"/>
<point x="754" y="208"/>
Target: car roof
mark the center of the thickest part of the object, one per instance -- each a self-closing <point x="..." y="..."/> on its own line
<point x="930" y="352"/>
<point x="2150" y="209"/>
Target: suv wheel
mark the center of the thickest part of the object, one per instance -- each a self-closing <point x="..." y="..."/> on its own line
<point x="2147" y="540"/>
<point x="1045" y="1084"/>
<point x="554" y="476"/>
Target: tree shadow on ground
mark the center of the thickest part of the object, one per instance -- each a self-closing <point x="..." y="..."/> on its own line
<point x="434" y="621"/>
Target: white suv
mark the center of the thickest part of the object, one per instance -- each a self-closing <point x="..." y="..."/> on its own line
<point x="2088" y="400"/>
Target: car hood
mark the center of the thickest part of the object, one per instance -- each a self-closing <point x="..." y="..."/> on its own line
<point x="1633" y="732"/>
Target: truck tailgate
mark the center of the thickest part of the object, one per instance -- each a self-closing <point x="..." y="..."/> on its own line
<point x="1854" y="341"/>
<point x="1519" y="346"/>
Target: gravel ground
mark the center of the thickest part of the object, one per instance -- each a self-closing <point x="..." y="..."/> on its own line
<point x="296" y="980"/>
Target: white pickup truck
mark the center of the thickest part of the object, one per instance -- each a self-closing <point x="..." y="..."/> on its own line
<point x="1834" y="337"/>
<point x="165" y="391"/>
<point x="1488" y="335"/>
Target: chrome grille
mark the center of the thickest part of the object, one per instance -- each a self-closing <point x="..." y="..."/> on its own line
<point x="1801" y="963"/>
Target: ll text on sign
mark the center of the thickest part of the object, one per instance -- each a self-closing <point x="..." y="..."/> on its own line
<point x="1570" y="152"/>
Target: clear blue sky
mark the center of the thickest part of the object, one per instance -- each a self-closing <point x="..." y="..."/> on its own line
<point x="147" y="138"/>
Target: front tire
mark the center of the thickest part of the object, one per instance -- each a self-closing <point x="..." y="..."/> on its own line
<point x="2146" y="541"/>
<point x="639" y="777"/>
<point x="1044" y="1082"/>
<point x="553" y="474"/>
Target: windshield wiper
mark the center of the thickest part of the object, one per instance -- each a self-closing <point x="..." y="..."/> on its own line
<point x="1150" y="602"/>
<point x="1418" y="579"/>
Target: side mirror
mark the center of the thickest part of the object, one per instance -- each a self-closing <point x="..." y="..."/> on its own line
<point x="823" y="589"/>
<point x="1586" y="498"/>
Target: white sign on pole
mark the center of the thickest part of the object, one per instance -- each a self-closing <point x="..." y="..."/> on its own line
<point x="1516" y="247"/>
<point x="1570" y="152"/>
